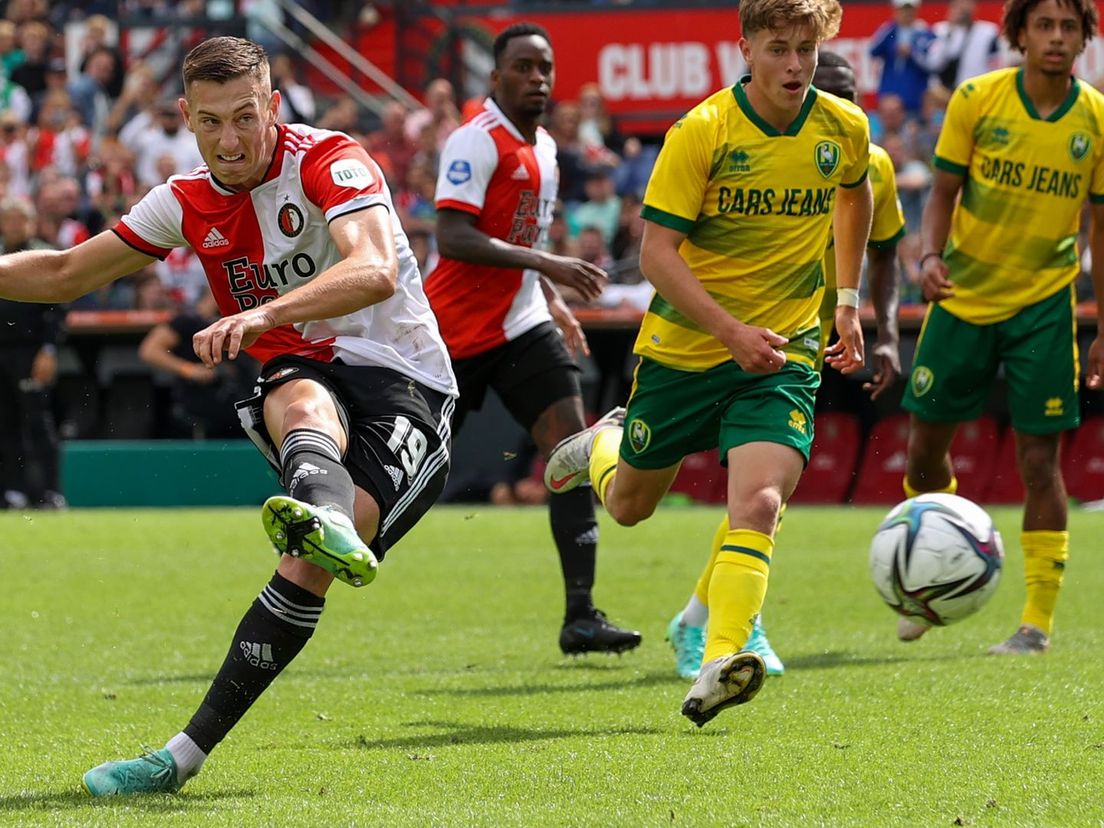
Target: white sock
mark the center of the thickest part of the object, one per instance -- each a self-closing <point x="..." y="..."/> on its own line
<point x="187" y="755"/>
<point x="696" y="614"/>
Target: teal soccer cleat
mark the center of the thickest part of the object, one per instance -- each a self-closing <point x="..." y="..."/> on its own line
<point x="155" y="772"/>
<point x="758" y="644"/>
<point x="321" y="535"/>
<point x="689" y="645"/>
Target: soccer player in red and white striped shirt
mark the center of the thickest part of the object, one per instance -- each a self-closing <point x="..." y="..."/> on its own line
<point x="314" y="277"/>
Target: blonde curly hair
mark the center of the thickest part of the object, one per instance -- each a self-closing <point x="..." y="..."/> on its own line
<point x="823" y="15"/>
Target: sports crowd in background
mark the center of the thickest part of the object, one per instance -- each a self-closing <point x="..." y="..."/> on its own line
<point x="84" y="134"/>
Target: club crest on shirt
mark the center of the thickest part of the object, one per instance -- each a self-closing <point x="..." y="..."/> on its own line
<point x="827" y="157"/>
<point x="1079" y="146"/>
<point x="290" y="220"/>
<point x="350" y="172"/>
<point x="459" y="171"/>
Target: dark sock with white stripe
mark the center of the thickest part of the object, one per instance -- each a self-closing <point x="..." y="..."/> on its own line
<point x="313" y="472"/>
<point x="272" y="632"/>
<point x="575" y="531"/>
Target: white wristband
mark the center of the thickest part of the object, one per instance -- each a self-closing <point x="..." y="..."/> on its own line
<point x="847" y="297"/>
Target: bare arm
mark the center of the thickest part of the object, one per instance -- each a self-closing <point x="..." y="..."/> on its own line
<point x="574" y="338"/>
<point x="156" y="350"/>
<point x="754" y="349"/>
<point x="935" y="228"/>
<point x="459" y="238"/>
<point x="65" y="275"/>
<point x="882" y="271"/>
<point x="854" y="213"/>
<point x="1094" y="371"/>
<point x="366" y="275"/>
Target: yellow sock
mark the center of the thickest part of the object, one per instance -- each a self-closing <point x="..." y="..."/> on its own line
<point x="737" y="588"/>
<point x="702" y="589"/>
<point x="1045" y="556"/>
<point x="603" y="460"/>
<point x="950" y="488"/>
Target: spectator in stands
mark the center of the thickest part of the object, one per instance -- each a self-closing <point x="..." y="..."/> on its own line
<point x="602" y="207"/>
<point x="415" y="202"/>
<point x="133" y="111"/>
<point x="962" y="47"/>
<point x="202" y="398"/>
<point x="14" y="98"/>
<point x="10" y="53"/>
<point x="389" y="145"/>
<point x="571" y="154"/>
<point x="625" y="248"/>
<point x="100" y="33"/>
<point x="426" y="150"/>
<point x="60" y="223"/>
<point x="89" y="90"/>
<point x="560" y="242"/>
<point x="29" y="335"/>
<point x="424" y="250"/>
<point x="164" y="137"/>
<point x="34" y="40"/>
<point x="297" y="105"/>
<point x="592" y="247"/>
<point x="15" y="154"/>
<point x="901" y="44"/>
<point x="342" y="116"/>
<point x="59" y="139"/>
<point x="440" y="110"/>
<point x="596" y="128"/>
<point x="890" y="117"/>
<point x="111" y="184"/>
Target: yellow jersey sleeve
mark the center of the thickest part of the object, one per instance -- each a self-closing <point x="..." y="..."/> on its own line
<point x="676" y="189"/>
<point x="888" y="227"/>
<point x="955" y="146"/>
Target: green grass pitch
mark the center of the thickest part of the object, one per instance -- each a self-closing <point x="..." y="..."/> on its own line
<point x="438" y="696"/>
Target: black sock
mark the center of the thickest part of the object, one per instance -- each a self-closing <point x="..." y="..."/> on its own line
<point x="270" y="635"/>
<point x="313" y="472"/>
<point x="575" y="531"/>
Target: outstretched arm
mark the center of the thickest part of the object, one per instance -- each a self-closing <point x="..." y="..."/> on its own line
<point x="366" y="275"/>
<point x="459" y="238"/>
<point x="65" y="275"/>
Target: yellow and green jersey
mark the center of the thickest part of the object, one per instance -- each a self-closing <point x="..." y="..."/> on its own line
<point x="887" y="229"/>
<point x="756" y="205"/>
<point x="1013" y="236"/>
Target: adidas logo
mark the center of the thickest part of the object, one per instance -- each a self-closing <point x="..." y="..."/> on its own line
<point x="215" y="239"/>
<point x="589" y="536"/>
<point x="396" y="476"/>
<point x="304" y="471"/>
<point x="520" y="174"/>
<point x="258" y="655"/>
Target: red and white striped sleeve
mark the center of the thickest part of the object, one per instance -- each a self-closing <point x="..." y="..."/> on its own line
<point x="468" y="161"/>
<point x="153" y="225"/>
<point x="340" y="177"/>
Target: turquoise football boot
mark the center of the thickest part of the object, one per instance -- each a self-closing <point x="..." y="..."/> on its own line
<point x="321" y="535"/>
<point x="758" y="644"/>
<point x="689" y="645"/>
<point x="155" y="772"/>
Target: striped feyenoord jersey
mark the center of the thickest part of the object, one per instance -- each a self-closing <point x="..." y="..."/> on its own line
<point x="489" y="170"/>
<point x="260" y="244"/>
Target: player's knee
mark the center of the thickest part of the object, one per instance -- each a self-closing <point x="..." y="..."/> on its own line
<point x="629" y="511"/>
<point x="760" y="508"/>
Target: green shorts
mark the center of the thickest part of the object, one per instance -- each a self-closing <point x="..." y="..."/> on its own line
<point x="956" y="362"/>
<point x="674" y="413"/>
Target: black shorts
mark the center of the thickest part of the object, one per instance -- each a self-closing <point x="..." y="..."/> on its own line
<point x="529" y="374"/>
<point x="399" y="435"/>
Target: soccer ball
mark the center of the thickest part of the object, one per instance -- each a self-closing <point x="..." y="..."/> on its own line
<point x="936" y="558"/>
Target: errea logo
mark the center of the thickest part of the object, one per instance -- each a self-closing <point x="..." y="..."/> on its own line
<point x="798" y="421"/>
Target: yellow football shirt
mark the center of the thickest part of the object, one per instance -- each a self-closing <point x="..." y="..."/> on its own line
<point x="756" y="205"/>
<point x="887" y="229"/>
<point x="1013" y="235"/>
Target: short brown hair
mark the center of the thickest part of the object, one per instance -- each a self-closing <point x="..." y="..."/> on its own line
<point x="1014" y="19"/>
<point x="823" y="15"/>
<point x="223" y="59"/>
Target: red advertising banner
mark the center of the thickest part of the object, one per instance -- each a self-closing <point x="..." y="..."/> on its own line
<point x="655" y="63"/>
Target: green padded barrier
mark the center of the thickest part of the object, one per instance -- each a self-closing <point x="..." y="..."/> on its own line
<point x="165" y="473"/>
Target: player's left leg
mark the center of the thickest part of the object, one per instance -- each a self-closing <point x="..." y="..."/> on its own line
<point x="538" y="382"/>
<point x="1039" y="351"/>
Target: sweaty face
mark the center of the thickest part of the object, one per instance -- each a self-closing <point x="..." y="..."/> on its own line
<point x="838" y="80"/>
<point x="234" y="125"/>
<point x="782" y="62"/>
<point x="1052" y="38"/>
<point x="525" y="75"/>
